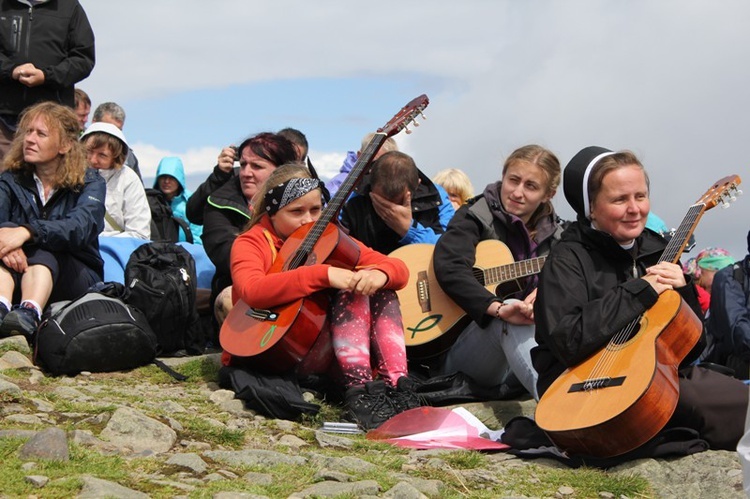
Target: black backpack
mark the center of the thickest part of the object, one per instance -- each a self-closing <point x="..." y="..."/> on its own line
<point x="165" y="227"/>
<point x="161" y="282"/>
<point x="96" y="333"/>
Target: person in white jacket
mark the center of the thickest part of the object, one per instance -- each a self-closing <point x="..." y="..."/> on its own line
<point x="127" y="210"/>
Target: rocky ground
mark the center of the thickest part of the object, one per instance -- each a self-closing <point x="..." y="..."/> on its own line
<point x="193" y="439"/>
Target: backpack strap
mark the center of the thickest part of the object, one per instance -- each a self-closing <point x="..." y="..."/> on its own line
<point x="161" y="365"/>
<point x="269" y="237"/>
<point x="112" y="222"/>
<point x="185" y="227"/>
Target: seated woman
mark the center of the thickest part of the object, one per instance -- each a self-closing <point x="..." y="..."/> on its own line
<point x="516" y="210"/>
<point x="702" y="268"/>
<point x="365" y="320"/>
<point x="604" y="274"/>
<point x="226" y="205"/>
<point x="51" y="212"/>
<point x="170" y="180"/>
<point x="126" y="208"/>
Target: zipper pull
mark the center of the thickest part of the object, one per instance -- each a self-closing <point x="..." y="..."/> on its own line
<point x="31" y="13"/>
<point x="133" y="283"/>
<point x="185" y="276"/>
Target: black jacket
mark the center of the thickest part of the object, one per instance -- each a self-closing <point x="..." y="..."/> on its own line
<point x="588" y="292"/>
<point x="485" y="219"/>
<point x="57" y="38"/>
<point x="225" y="215"/>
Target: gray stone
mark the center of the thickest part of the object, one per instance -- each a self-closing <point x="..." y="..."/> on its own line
<point x="96" y="488"/>
<point x="87" y="439"/>
<point x="336" y="441"/>
<point x="42" y="405"/>
<point x="220" y="396"/>
<point x="332" y="489"/>
<point x="254" y="457"/>
<point x="37" y="481"/>
<point x="237" y="495"/>
<point x="347" y="464"/>
<point x="16" y="343"/>
<point x="292" y="441"/>
<point x="9" y="388"/>
<point x="28" y="419"/>
<point x="331" y="475"/>
<point x="14" y="360"/>
<point x="404" y="490"/>
<point x="49" y="444"/>
<point x="134" y="430"/>
<point x="191" y="461"/>
<point x="263" y="479"/>
<point x="177" y="485"/>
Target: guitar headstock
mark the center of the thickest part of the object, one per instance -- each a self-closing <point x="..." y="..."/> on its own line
<point x="406" y="115"/>
<point x="723" y="192"/>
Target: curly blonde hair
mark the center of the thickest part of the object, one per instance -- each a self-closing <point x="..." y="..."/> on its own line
<point x="63" y="124"/>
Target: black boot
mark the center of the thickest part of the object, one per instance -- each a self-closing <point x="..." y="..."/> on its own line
<point x="404" y="396"/>
<point x="369" y="405"/>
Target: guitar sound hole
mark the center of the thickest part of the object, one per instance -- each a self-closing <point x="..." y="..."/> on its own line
<point x="626" y="334"/>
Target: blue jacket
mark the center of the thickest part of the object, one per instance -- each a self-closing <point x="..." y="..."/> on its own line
<point x="173" y="166"/>
<point x="728" y="324"/>
<point x="70" y="221"/>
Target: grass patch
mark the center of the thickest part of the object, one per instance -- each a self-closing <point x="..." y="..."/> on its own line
<point x="465" y="459"/>
<point x="194" y="427"/>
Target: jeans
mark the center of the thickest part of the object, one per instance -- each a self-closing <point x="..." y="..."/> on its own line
<point x="493" y="354"/>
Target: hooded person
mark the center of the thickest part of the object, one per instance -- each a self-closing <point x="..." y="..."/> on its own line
<point x="170" y="180"/>
<point x="603" y="275"/>
<point x="127" y="213"/>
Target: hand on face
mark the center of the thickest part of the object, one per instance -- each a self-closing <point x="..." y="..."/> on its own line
<point x="397" y="216"/>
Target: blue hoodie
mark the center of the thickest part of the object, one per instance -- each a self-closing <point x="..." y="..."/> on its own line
<point x="173" y="166"/>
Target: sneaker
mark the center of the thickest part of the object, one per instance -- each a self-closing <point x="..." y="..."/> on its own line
<point x="404" y="396"/>
<point x="20" y="320"/>
<point x="369" y="404"/>
<point x="3" y="312"/>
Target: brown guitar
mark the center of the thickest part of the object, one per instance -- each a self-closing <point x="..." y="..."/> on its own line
<point x="432" y="320"/>
<point x="622" y="396"/>
<point x="276" y="340"/>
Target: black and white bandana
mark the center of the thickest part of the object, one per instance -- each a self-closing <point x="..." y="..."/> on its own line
<point x="281" y="195"/>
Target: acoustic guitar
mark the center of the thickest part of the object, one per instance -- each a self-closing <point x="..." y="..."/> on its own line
<point x="623" y="395"/>
<point x="432" y="320"/>
<point x="276" y="340"/>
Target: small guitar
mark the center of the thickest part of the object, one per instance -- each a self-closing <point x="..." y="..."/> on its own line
<point x="277" y="339"/>
<point x="432" y="321"/>
<point x="623" y="395"/>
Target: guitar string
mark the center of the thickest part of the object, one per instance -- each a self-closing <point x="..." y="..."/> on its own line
<point x="674" y="248"/>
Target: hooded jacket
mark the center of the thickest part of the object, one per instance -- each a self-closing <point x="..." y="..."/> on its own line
<point x="173" y="166"/>
<point x="70" y="221"/>
<point x="484" y="218"/>
<point x="126" y="204"/>
<point x="55" y="36"/>
<point x="431" y="211"/>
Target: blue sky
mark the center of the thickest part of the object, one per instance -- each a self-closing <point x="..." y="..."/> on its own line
<point x="667" y="79"/>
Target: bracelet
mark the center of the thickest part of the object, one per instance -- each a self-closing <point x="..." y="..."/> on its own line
<point x="497" y="311"/>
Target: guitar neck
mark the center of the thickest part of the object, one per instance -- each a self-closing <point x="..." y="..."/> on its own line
<point x="513" y="271"/>
<point x="679" y="240"/>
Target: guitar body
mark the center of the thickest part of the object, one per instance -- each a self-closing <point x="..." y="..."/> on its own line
<point x="277" y="339"/>
<point x="638" y="391"/>
<point x="432" y="320"/>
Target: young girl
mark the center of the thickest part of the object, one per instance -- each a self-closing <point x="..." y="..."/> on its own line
<point x="365" y="321"/>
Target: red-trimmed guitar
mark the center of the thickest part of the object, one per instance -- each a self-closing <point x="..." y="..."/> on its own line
<point x="276" y="340"/>
<point x="623" y="395"/>
<point x="432" y="320"/>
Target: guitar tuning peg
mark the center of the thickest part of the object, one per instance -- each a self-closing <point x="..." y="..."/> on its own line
<point x="415" y="122"/>
<point x="725" y="205"/>
<point x="424" y="117"/>
<point x="406" y="130"/>
<point x="739" y="192"/>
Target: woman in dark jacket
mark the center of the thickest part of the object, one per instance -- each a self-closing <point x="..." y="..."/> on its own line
<point x="604" y="274"/>
<point x="51" y="213"/>
<point x="495" y="347"/>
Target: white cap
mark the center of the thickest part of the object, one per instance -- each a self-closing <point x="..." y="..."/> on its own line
<point x="107" y="128"/>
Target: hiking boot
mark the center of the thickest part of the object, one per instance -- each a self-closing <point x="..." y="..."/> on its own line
<point x="20" y="320"/>
<point x="369" y="405"/>
<point x="404" y="396"/>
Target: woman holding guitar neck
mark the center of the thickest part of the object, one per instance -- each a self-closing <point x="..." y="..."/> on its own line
<point x="606" y="272"/>
<point x="517" y="210"/>
<point x="364" y="320"/>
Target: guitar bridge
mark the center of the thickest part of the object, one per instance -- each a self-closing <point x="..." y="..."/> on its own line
<point x="596" y="384"/>
<point x="260" y="314"/>
<point x="423" y="292"/>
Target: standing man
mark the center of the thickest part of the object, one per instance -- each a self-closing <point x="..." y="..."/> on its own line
<point x="46" y="47"/>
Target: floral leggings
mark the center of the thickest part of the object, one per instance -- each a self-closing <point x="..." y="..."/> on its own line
<point x="365" y="335"/>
